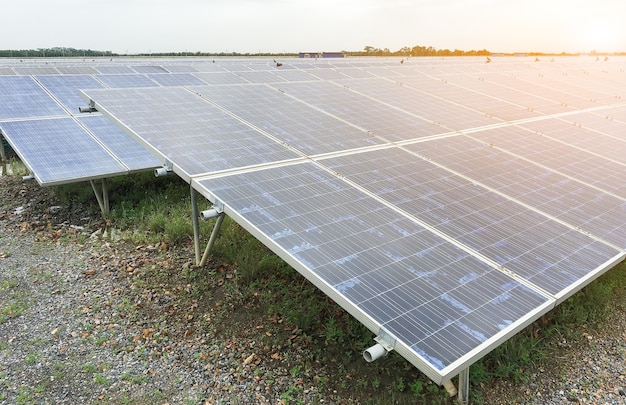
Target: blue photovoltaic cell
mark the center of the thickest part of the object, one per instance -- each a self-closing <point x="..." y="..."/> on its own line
<point x="220" y="78"/>
<point x="207" y="139"/>
<point x="128" y="150"/>
<point x="148" y="69"/>
<point x="21" y="97"/>
<point x="114" y="69"/>
<point x="65" y="88"/>
<point x="57" y="150"/>
<point x="606" y="123"/>
<point x="306" y="129"/>
<point x="413" y="283"/>
<point x="589" y="168"/>
<point x="126" y="81"/>
<point x="531" y="245"/>
<point x="381" y="119"/>
<point x="592" y="141"/>
<point x="260" y="77"/>
<point x="176" y="79"/>
<point x="77" y="70"/>
<point x="36" y="70"/>
<point x="180" y="68"/>
<point x="571" y="201"/>
<point x="432" y="107"/>
<point x="452" y="91"/>
<point x="7" y="71"/>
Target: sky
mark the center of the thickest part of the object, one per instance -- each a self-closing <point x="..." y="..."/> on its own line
<point x="255" y="26"/>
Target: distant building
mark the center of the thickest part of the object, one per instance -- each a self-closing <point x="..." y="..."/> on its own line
<point x="321" y="55"/>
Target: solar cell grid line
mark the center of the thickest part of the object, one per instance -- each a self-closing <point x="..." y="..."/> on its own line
<point x="607" y="121"/>
<point x="382" y="120"/>
<point x="65" y="88"/>
<point x="497" y="228"/>
<point x="571" y="201"/>
<point x="306" y="129"/>
<point x="114" y="69"/>
<point x="42" y="145"/>
<point x="22" y="97"/>
<point x="134" y="156"/>
<point x="219" y="78"/>
<point x="534" y="104"/>
<point x="568" y="83"/>
<point x="584" y="138"/>
<point x="126" y="81"/>
<point x="176" y="79"/>
<point x="294" y="75"/>
<point x="36" y="70"/>
<point x="148" y="69"/>
<point x="260" y="76"/>
<point x="398" y="278"/>
<point x="566" y="89"/>
<point x="561" y="100"/>
<point x="429" y="106"/>
<point x="184" y="129"/>
<point x="77" y="70"/>
<point x="453" y="90"/>
<point x="599" y="172"/>
<point x="184" y="68"/>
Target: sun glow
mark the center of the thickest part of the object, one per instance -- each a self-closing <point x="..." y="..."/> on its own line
<point x="602" y="36"/>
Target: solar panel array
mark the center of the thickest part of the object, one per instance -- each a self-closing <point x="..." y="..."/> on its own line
<point x="446" y="204"/>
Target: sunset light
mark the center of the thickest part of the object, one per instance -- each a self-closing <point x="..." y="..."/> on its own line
<point x="602" y="36"/>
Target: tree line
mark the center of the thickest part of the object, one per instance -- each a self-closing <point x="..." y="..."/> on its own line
<point x="418" y="50"/>
<point x="56" y="52"/>
<point x="60" y="52"/>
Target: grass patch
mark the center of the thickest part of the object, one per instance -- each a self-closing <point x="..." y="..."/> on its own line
<point x="13" y="301"/>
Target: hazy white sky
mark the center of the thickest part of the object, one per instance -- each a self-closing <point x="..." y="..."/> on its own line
<point x="314" y="25"/>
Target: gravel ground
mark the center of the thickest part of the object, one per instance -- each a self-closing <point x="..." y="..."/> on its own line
<point x="76" y="327"/>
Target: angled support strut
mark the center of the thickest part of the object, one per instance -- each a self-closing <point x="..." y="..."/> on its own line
<point x="217" y="211"/>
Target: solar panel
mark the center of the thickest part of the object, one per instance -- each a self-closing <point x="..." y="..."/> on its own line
<point x="23" y="98"/>
<point x="380" y="119"/>
<point x="562" y="197"/>
<point x="446" y="204"/>
<point x="384" y="267"/>
<point x="513" y="236"/>
<point x="66" y="149"/>
<point x="207" y="138"/>
<point x="134" y="156"/>
<point x="565" y="159"/>
<point x="114" y="69"/>
<point x="126" y="81"/>
<point x="65" y="88"/>
<point x="43" y="146"/>
<point x="176" y="79"/>
<point x="296" y="124"/>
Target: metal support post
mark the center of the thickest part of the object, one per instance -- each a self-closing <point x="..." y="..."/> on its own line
<point x="102" y="196"/>
<point x="3" y="154"/>
<point x="196" y="224"/>
<point x="463" y="397"/>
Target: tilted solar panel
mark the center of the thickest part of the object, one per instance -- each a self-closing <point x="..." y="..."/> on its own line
<point x="22" y="97"/>
<point x="309" y="130"/>
<point x="207" y="139"/>
<point x="382" y="266"/>
<point x="43" y="148"/>
<point x="134" y="156"/>
<point x="65" y="88"/>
